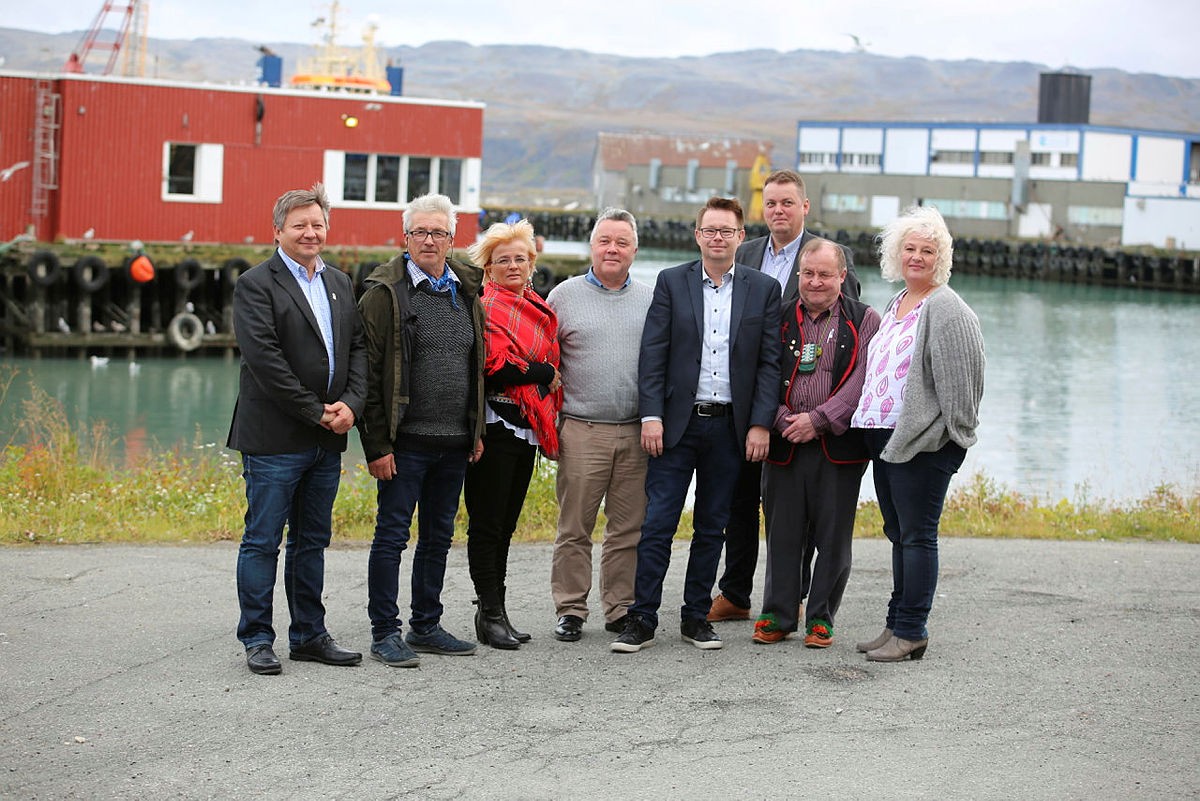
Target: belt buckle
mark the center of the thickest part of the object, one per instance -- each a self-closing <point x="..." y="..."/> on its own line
<point x="702" y="410"/>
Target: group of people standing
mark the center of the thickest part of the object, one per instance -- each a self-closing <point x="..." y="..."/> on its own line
<point x="754" y="371"/>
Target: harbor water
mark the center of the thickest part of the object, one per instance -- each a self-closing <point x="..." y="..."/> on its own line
<point x="1090" y="391"/>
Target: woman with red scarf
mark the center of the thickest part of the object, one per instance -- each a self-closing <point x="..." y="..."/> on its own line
<point x="524" y="396"/>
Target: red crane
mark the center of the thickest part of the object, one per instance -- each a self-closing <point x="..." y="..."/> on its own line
<point x="130" y="16"/>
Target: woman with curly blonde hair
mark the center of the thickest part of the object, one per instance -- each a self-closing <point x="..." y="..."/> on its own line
<point x="919" y="408"/>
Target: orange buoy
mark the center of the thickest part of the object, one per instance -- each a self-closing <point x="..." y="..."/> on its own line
<point x="141" y="269"/>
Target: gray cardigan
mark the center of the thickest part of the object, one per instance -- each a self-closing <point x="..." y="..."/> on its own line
<point x="945" y="381"/>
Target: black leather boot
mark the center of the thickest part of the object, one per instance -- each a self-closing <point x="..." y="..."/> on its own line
<point x="519" y="636"/>
<point x="490" y="628"/>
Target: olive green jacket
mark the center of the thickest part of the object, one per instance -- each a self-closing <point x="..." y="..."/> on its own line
<point x="387" y="323"/>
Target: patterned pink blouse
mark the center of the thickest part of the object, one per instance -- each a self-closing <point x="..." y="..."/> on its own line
<point x="888" y="358"/>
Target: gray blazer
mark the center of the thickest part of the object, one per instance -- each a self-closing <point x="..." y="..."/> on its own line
<point x="284" y="366"/>
<point x="751" y="254"/>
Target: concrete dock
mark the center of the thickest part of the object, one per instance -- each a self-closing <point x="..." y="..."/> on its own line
<point x="1055" y="670"/>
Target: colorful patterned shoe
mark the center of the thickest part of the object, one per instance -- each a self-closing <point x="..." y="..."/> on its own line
<point x="820" y="634"/>
<point x="766" y="629"/>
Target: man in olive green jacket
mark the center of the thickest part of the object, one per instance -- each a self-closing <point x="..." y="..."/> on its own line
<point x="423" y="422"/>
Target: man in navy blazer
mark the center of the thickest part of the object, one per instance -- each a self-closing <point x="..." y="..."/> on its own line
<point x="302" y="386"/>
<point x="785" y="208"/>
<point x="708" y="375"/>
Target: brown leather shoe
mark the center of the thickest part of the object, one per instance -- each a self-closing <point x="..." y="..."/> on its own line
<point x="723" y="609"/>
<point x="897" y="650"/>
<point x="871" y="645"/>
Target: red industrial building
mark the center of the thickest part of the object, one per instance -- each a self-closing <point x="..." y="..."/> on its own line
<point x="121" y="159"/>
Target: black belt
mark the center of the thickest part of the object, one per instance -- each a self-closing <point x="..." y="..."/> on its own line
<point x="713" y="409"/>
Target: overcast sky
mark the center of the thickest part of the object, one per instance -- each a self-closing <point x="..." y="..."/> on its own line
<point x="1158" y="36"/>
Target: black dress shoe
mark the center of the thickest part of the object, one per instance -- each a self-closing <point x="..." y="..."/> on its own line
<point x="616" y="626"/>
<point x="569" y="628"/>
<point x="261" y="659"/>
<point x="324" y="650"/>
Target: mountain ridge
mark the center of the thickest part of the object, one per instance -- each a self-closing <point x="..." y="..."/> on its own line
<point x="545" y="104"/>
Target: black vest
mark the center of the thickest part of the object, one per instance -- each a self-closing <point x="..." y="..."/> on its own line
<point x="849" y="448"/>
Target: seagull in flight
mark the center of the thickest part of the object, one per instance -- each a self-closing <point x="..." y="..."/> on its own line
<point x="7" y="172"/>
<point x="860" y="46"/>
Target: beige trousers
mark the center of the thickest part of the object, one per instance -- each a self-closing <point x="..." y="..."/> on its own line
<point x="598" y="462"/>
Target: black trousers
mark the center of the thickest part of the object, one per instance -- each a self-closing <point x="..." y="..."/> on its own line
<point x="495" y="492"/>
<point x="810" y="503"/>
<point x="741" y="539"/>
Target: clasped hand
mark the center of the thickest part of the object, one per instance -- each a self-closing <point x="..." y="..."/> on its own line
<point x="799" y="428"/>
<point x="338" y="417"/>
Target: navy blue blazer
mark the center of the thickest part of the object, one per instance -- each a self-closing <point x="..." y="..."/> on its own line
<point x="751" y="254"/>
<point x="285" y="368"/>
<point x="669" y="363"/>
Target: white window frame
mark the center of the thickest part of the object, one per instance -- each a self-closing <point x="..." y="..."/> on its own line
<point x="209" y="177"/>
<point x="335" y="178"/>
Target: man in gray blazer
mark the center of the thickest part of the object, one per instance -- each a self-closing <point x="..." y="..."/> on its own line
<point x="785" y="207"/>
<point x="302" y="385"/>
<point x="708" y="377"/>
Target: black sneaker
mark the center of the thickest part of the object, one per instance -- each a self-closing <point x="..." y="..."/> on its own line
<point x="699" y="632"/>
<point x="637" y="635"/>
<point x="616" y="626"/>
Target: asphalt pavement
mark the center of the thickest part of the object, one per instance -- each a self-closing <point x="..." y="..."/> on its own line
<point x="1055" y="670"/>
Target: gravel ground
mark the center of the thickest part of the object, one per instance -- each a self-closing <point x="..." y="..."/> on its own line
<point x="1055" y="670"/>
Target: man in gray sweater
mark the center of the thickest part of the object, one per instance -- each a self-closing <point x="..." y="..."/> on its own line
<point x="600" y="319"/>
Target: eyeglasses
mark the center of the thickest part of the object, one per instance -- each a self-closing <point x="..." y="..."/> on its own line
<point x="724" y="233"/>
<point x="520" y="261"/>
<point x="421" y="235"/>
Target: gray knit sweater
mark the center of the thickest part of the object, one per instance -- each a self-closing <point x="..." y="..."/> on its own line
<point x="600" y="334"/>
<point x="945" y="382"/>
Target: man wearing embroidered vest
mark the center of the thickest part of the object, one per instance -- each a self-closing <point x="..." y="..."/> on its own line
<point x="813" y="472"/>
<point x="785" y="209"/>
<point x="423" y="421"/>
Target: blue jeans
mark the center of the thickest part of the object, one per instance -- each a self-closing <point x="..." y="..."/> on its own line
<point x="296" y="488"/>
<point x="911" y="495"/>
<point x="711" y="450"/>
<point x="433" y="479"/>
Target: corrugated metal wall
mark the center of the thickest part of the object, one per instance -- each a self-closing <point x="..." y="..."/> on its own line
<point x="111" y="156"/>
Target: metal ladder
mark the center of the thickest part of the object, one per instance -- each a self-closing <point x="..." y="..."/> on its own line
<point x="46" y="123"/>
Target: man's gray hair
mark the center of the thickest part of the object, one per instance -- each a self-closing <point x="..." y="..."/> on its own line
<point x="298" y="199"/>
<point x="431" y="204"/>
<point x="817" y="243"/>
<point x="620" y="215"/>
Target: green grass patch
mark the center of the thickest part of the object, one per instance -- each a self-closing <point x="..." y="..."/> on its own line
<point x="59" y="485"/>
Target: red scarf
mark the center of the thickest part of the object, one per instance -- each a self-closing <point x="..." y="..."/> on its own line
<point x="521" y="329"/>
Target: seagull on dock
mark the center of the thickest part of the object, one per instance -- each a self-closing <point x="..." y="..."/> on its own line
<point x="187" y="237"/>
<point x="62" y="326"/>
<point x="89" y="234"/>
